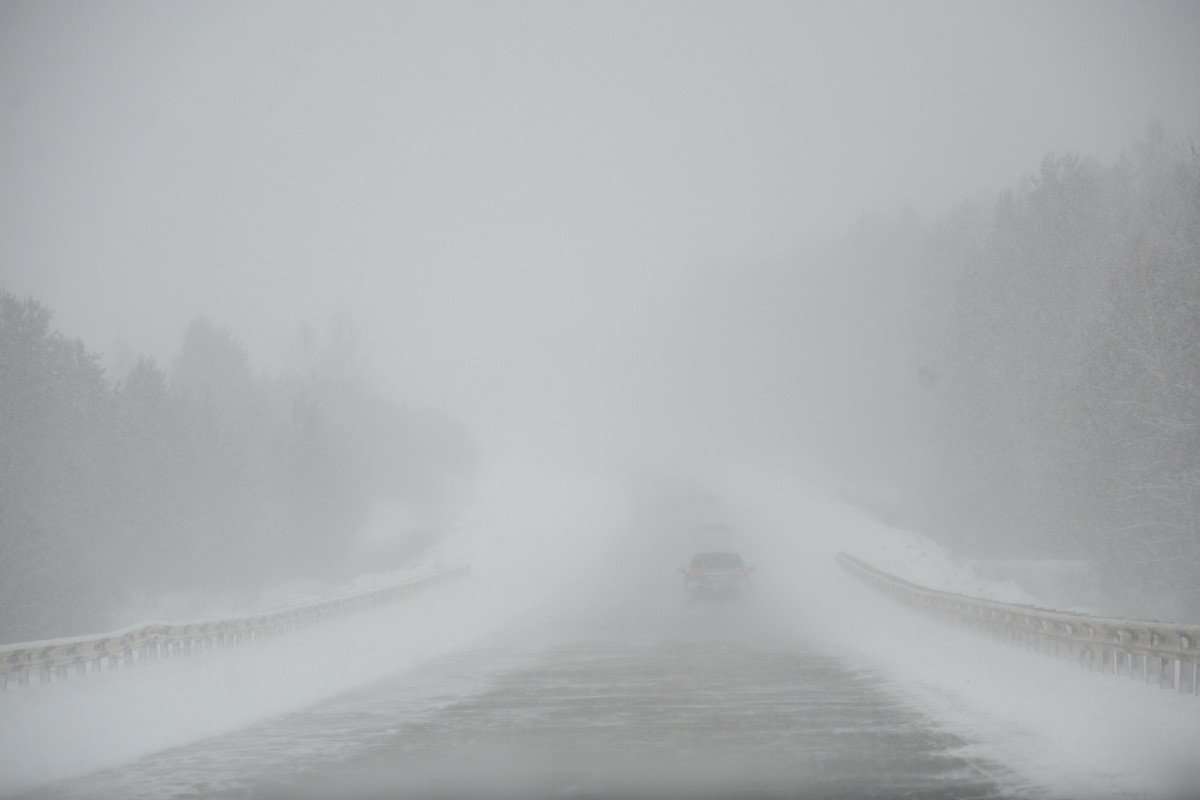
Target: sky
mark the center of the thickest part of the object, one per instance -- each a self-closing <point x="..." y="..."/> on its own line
<point x="493" y="191"/>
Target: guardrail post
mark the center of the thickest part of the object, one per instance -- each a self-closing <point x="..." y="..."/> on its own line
<point x="1166" y="673"/>
<point x="1187" y="676"/>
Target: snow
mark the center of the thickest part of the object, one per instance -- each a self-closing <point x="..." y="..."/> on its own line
<point x="533" y="530"/>
<point x="187" y="608"/>
<point x="77" y="726"/>
<point x="520" y="559"/>
<point x="1067" y="732"/>
<point x="278" y="599"/>
<point x="917" y="559"/>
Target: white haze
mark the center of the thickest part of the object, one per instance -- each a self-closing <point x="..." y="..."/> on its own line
<point x="496" y="191"/>
<point x="599" y="274"/>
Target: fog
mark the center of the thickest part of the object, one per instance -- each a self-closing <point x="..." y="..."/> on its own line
<point x="297" y="299"/>
<point x="473" y="183"/>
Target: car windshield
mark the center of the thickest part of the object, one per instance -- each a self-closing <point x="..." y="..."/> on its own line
<point x="717" y="561"/>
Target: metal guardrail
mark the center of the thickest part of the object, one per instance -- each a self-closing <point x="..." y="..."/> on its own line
<point x="152" y="641"/>
<point x="1139" y="649"/>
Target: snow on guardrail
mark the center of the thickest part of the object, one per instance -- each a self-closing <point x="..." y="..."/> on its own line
<point x="151" y="641"/>
<point x="1138" y="649"/>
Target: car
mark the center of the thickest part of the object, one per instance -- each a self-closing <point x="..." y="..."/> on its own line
<point x="717" y="575"/>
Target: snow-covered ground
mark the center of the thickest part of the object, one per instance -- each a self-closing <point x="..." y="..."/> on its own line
<point x="527" y="535"/>
<point x="533" y="531"/>
<point x="1070" y="733"/>
<point x="915" y="558"/>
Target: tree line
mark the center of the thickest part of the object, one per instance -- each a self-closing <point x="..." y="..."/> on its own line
<point x="1059" y="358"/>
<point x="198" y="476"/>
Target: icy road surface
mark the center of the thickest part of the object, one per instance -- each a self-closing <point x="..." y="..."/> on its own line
<point x="706" y="701"/>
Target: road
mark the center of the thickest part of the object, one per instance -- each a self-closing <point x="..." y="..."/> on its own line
<point x="707" y="701"/>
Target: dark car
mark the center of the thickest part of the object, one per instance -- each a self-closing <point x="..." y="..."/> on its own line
<point x="716" y="576"/>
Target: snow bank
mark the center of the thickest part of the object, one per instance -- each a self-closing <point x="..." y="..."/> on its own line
<point x="1065" y="733"/>
<point x="528" y="533"/>
<point x="918" y="559"/>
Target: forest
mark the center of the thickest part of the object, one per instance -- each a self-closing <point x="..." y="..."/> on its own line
<point x="1060" y="371"/>
<point x="1025" y="370"/>
<point x="1019" y="376"/>
<point x="199" y="476"/>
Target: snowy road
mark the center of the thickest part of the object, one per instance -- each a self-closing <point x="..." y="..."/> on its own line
<point x="707" y="701"/>
<point x="568" y="666"/>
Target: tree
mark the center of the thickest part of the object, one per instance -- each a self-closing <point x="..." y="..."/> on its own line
<point x="54" y="404"/>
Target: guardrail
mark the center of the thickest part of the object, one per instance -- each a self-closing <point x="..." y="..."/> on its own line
<point x="152" y="641"/>
<point x="1138" y="649"/>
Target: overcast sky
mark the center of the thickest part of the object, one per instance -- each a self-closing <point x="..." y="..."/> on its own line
<point x="476" y="182"/>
